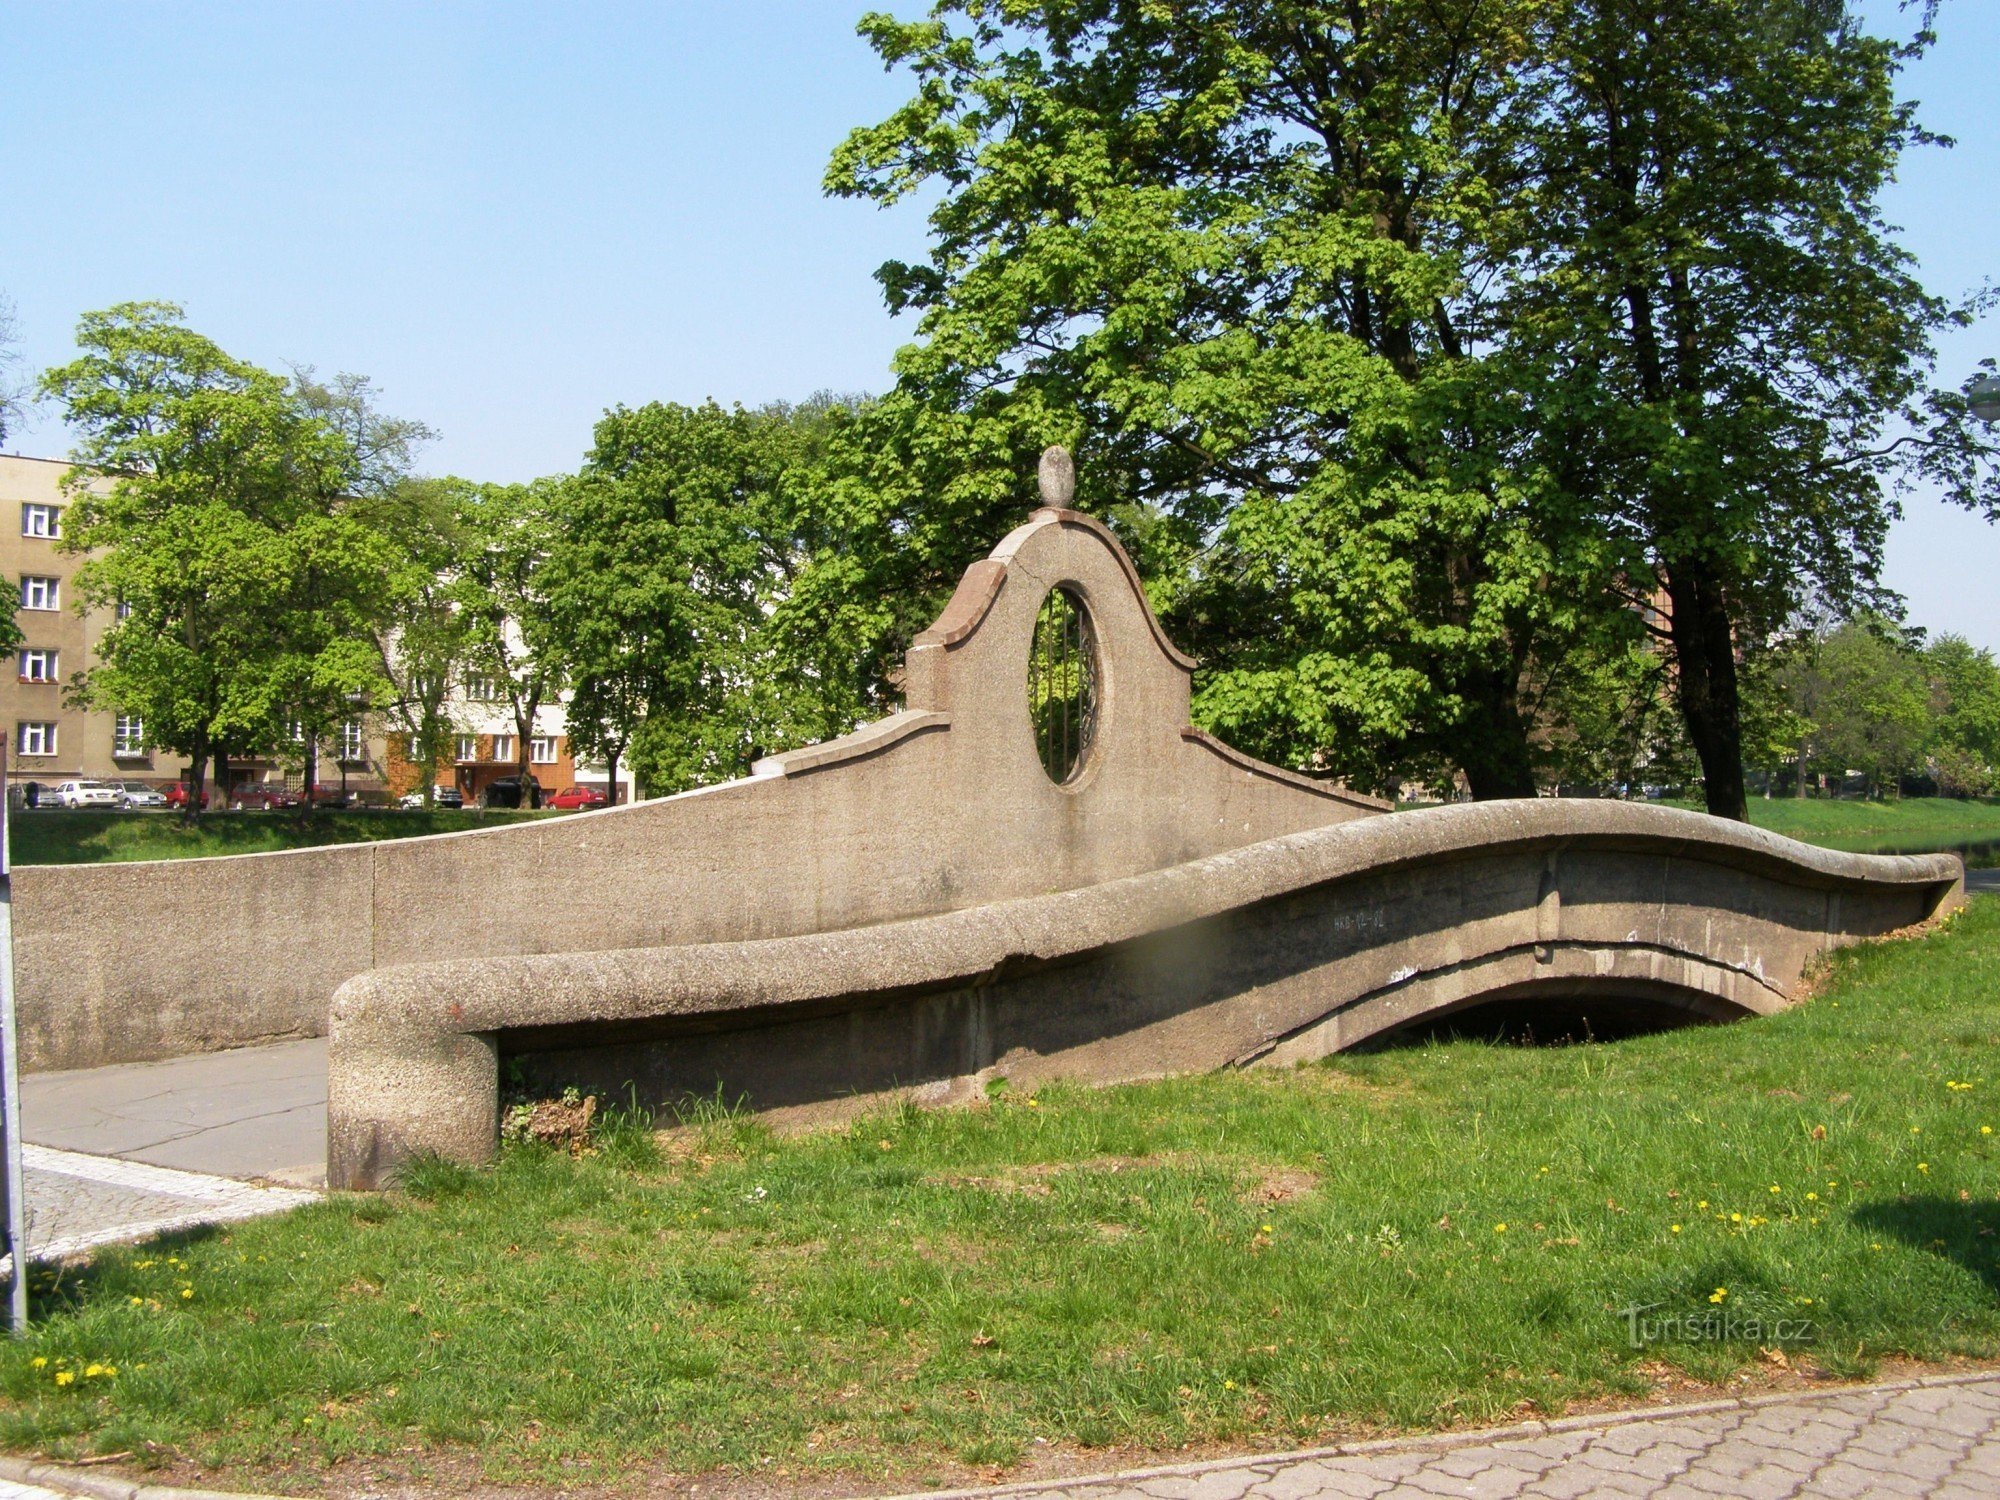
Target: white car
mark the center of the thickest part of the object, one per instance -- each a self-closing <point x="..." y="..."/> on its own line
<point x="90" y="794"/>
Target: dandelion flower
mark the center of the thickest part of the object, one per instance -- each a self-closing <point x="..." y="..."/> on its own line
<point x="1674" y="1228"/>
<point x="1775" y="1188"/>
<point x="1719" y="1294"/>
<point x="186" y="1292"/>
<point x="39" y="1361"/>
<point x="1499" y="1228"/>
<point x="1986" y="1130"/>
<point x="1923" y="1166"/>
<point x="64" y="1377"/>
<point x="1812" y="1197"/>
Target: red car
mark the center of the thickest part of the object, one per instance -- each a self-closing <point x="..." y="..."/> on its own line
<point x="573" y="798"/>
<point x="177" y="795"/>
<point x="267" y="796"/>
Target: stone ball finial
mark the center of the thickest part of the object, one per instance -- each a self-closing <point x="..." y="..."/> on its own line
<point x="1057" y="474"/>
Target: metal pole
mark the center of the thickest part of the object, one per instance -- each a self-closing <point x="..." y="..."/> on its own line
<point x="13" y="1185"/>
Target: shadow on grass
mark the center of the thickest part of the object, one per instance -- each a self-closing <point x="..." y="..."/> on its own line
<point x="69" y="1287"/>
<point x="1968" y="1233"/>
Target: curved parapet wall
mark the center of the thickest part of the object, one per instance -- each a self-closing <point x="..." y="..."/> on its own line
<point x="942" y="806"/>
<point x="1285" y="949"/>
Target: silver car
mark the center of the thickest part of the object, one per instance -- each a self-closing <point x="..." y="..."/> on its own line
<point x="90" y="794"/>
<point x="140" y="796"/>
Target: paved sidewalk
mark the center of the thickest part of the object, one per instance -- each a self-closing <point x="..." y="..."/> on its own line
<point x="255" y="1112"/>
<point x="1982" y="880"/>
<point x="123" y="1152"/>
<point x="77" y="1201"/>
<point x="1929" y="1440"/>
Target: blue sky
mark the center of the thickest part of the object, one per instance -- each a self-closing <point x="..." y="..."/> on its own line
<point x="515" y="215"/>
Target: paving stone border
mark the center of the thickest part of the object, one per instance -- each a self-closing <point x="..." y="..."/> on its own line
<point x="66" y="1479"/>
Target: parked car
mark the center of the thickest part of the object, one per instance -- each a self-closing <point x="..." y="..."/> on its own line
<point x="264" y="796"/>
<point x="140" y="796"/>
<point x="441" y="796"/>
<point x="512" y="791"/>
<point x="89" y="794"/>
<point x="177" y="795"/>
<point x="572" y="798"/>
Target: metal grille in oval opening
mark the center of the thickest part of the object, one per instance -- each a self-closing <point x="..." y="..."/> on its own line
<point x="1062" y="685"/>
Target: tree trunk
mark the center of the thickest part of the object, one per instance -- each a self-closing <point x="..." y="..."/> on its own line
<point x="221" y="778"/>
<point x="1705" y="676"/>
<point x="1493" y="739"/>
<point x="611" y="776"/>
<point x="196" y="774"/>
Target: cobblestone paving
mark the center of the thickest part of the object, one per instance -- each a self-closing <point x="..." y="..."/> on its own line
<point x="1937" y="1439"/>
<point x="76" y="1201"/>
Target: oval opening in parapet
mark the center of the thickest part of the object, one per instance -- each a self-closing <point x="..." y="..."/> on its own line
<point x="1063" y="685"/>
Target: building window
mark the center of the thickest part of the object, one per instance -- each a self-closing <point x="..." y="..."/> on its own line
<point x="38" y="664"/>
<point x="542" y="749"/>
<point x="41" y="520"/>
<point x="468" y="748"/>
<point x="353" y="745"/>
<point x="128" y="735"/>
<point x="503" y="748"/>
<point x="41" y="593"/>
<point x="483" y="689"/>
<point x="124" y="609"/>
<point x="37" y="739"/>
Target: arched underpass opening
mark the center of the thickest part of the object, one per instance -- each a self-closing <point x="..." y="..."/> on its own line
<point x="1560" y="1014"/>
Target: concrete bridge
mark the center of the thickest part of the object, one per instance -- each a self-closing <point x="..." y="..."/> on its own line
<point x="1037" y="869"/>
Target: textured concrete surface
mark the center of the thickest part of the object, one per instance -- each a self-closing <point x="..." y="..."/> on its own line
<point x="76" y="1202"/>
<point x="1280" y="952"/>
<point x="253" y="1112"/>
<point x="1928" y="1441"/>
<point x="940" y="807"/>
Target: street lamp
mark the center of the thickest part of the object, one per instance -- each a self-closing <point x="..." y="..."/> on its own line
<point x="1983" y="396"/>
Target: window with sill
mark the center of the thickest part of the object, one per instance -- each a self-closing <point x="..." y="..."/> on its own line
<point x="128" y="736"/>
<point x="542" y="749"/>
<point x="503" y="748"/>
<point x="41" y="521"/>
<point x="38" y="664"/>
<point x="36" y="739"/>
<point x="353" y="742"/>
<point x="467" y="748"/>
<point x="41" y="593"/>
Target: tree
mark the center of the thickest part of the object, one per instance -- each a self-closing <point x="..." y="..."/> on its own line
<point x="500" y="592"/>
<point x="1728" y="330"/>
<point x="14" y="392"/>
<point x="671" y="590"/>
<point x="245" y="582"/>
<point x="1414" y="338"/>
<point x="1965" y="696"/>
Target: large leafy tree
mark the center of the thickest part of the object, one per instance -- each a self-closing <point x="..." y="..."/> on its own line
<point x="1430" y="351"/>
<point x="1242" y="257"/>
<point x="500" y="592"/>
<point x="671" y="590"/>
<point x="246" y="583"/>
<point x="1718" y="323"/>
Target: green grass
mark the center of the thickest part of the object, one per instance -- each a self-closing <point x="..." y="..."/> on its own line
<point x="1436" y="1236"/>
<point x="1908" y="826"/>
<point x="55" y="837"/>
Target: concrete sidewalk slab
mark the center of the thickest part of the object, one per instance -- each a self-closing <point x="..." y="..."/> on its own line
<point x="255" y="1112"/>
<point x="77" y="1202"/>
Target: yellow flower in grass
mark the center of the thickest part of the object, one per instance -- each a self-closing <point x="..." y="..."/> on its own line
<point x="1674" y="1228"/>
<point x="1986" y="1130"/>
<point x="1499" y="1228"/>
<point x="186" y="1292"/>
<point x="38" y="1362"/>
<point x="64" y="1377"/>
<point x="1719" y="1295"/>
<point x="1923" y="1166"/>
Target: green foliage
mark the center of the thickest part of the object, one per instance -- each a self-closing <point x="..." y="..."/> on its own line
<point x="670" y="590"/>
<point x="251" y="585"/>
<point x="52" y="837"/>
<point x="499" y="590"/>
<point x="1862" y="695"/>
<point x="1409" y="344"/>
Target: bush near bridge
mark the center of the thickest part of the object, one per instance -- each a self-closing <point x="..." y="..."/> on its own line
<point x="1441" y="1235"/>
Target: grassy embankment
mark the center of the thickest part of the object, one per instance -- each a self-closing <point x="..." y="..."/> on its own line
<point x="72" y="838"/>
<point x="1908" y="826"/>
<point x="1435" y="1236"/>
<point x="54" y="837"/>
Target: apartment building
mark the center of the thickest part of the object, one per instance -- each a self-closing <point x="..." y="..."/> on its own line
<point x="486" y="749"/>
<point x="49" y="741"/>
